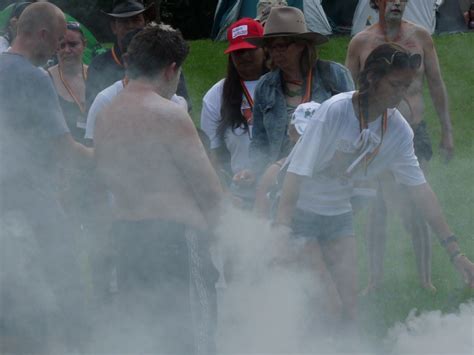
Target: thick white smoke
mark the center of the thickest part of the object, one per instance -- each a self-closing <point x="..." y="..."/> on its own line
<point x="435" y="333"/>
<point x="272" y="308"/>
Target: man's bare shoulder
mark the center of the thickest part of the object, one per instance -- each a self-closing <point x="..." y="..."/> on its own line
<point x="368" y="34"/>
<point x="414" y="30"/>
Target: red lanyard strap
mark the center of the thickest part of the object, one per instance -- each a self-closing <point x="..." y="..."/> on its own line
<point x="247" y="94"/>
<point x="309" y="83"/>
<point x="363" y="124"/>
<point x="69" y="90"/>
<point x="116" y="58"/>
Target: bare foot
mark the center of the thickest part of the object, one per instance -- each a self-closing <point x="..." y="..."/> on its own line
<point x="429" y="287"/>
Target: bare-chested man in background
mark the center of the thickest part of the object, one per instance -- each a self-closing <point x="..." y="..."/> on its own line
<point x="163" y="186"/>
<point x="391" y="28"/>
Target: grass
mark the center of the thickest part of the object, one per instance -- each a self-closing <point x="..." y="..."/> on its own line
<point x="452" y="183"/>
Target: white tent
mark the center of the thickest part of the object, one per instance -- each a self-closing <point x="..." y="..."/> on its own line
<point x="421" y="12"/>
<point x="315" y="17"/>
<point x="228" y="12"/>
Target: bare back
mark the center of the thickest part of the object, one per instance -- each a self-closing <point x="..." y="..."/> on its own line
<point x="412" y="37"/>
<point x="149" y="155"/>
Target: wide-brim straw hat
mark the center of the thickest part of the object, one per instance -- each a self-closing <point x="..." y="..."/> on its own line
<point x="128" y="8"/>
<point x="286" y="21"/>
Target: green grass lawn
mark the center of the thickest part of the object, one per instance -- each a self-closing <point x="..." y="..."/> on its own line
<point x="452" y="183"/>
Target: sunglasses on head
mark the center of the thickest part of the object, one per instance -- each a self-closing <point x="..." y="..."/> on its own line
<point x="71" y="25"/>
<point x="404" y="60"/>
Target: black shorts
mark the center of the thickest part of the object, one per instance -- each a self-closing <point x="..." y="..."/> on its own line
<point x="156" y="265"/>
<point x="422" y="142"/>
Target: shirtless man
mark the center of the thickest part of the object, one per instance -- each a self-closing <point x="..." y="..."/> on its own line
<point x="391" y="28"/>
<point x="149" y="154"/>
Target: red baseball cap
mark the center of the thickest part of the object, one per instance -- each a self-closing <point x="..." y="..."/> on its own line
<point x="239" y="31"/>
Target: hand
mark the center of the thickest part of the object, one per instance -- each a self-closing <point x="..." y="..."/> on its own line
<point x="281" y="252"/>
<point x="466" y="268"/>
<point x="446" y="147"/>
<point x="244" y="178"/>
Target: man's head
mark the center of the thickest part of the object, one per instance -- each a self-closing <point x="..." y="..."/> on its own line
<point x="157" y="51"/>
<point x="389" y="9"/>
<point x="40" y="28"/>
<point x="127" y="15"/>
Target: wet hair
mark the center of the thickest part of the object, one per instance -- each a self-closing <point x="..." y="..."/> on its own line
<point x="154" y="48"/>
<point x="385" y="59"/>
<point x="373" y="5"/>
<point x="231" y="114"/>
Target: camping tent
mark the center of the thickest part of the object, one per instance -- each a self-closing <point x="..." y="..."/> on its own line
<point x="93" y="46"/>
<point x="442" y="16"/>
<point x="229" y="11"/>
<point x="450" y="17"/>
<point x="421" y="12"/>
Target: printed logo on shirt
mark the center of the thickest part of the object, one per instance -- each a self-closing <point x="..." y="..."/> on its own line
<point x="246" y="111"/>
<point x="240" y="31"/>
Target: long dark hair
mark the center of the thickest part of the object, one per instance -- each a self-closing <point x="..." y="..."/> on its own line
<point x="231" y="114"/>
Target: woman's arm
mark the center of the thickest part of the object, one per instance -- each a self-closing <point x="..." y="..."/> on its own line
<point x="425" y="199"/>
<point x="289" y="196"/>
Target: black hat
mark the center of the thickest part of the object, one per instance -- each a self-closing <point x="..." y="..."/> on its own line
<point x="18" y="9"/>
<point x="128" y="8"/>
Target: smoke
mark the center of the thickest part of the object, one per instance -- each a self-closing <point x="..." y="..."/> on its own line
<point x="269" y="302"/>
<point x="274" y="305"/>
<point x="273" y="302"/>
<point x="435" y="333"/>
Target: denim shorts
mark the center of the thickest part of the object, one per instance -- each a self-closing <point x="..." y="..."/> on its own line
<point x="311" y="226"/>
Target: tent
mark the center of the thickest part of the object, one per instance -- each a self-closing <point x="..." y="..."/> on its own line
<point x="229" y="11"/>
<point x="450" y="17"/>
<point x="440" y="16"/>
<point x="93" y="46"/>
<point x="336" y="16"/>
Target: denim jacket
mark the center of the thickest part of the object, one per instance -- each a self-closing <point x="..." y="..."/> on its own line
<point x="270" y="140"/>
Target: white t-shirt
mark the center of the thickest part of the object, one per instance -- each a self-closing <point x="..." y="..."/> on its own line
<point x="4" y="44"/>
<point x="332" y="143"/>
<point x="104" y="98"/>
<point x="237" y="142"/>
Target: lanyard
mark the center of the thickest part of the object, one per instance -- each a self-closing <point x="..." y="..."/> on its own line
<point x="116" y="58"/>
<point x="69" y="90"/>
<point x="309" y="83"/>
<point x="248" y="117"/>
<point x="247" y="94"/>
<point x="363" y="124"/>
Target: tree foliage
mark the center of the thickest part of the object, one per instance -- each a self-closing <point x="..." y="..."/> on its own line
<point x="193" y="17"/>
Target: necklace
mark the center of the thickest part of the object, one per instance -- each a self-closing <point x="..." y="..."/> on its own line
<point x="69" y="90"/>
<point x="299" y="92"/>
<point x="293" y="93"/>
<point x="363" y="124"/>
